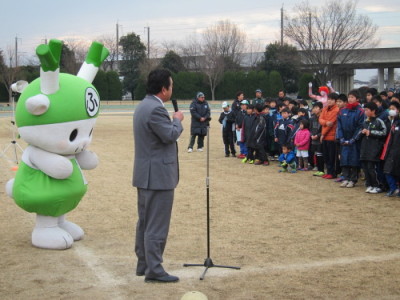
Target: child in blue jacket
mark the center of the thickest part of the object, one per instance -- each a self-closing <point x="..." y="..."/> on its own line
<point x="287" y="159"/>
<point x="349" y="123"/>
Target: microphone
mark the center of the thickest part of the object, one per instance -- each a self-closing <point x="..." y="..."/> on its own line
<point x="175" y="104"/>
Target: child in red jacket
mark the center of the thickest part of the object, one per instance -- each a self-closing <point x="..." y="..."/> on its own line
<point x="302" y="143"/>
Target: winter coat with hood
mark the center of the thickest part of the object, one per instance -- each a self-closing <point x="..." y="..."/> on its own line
<point x="198" y="110"/>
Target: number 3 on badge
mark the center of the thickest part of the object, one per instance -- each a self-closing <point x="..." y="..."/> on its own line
<point x="92" y="102"/>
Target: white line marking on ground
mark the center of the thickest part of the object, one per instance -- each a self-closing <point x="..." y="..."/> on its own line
<point x="106" y="279"/>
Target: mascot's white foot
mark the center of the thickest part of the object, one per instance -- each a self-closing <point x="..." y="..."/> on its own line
<point x="9" y="187"/>
<point x="47" y="234"/>
<point x="74" y="230"/>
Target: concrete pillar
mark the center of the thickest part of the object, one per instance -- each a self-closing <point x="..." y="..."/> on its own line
<point x="390" y="78"/>
<point x="381" y="79"/>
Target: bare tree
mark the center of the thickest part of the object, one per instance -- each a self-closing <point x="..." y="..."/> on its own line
<point x="327" y="35"/>
<point x="191" y="50"/>
<point x="222" y="46"/>
<point x="110" y="42"/>
<point x="79" y="48"/>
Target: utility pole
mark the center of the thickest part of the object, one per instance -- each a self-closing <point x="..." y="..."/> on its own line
<point x="309" y="31"/>
<point x="148" y="41"/>
<point x="16" y="51"/>
<point x="116" y="45"/>
<point x="282" y="25"/>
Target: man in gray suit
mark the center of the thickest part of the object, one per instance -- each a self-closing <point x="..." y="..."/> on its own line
<point x="155" y="174"/>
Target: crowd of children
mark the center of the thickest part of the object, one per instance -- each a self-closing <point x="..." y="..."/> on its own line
<point x="339" y="138"/>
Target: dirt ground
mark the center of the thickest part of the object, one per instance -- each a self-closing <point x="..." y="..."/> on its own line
<point x="294" y="236"/>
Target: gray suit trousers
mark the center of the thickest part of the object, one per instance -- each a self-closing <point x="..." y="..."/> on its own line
<point x="154" y="212"/>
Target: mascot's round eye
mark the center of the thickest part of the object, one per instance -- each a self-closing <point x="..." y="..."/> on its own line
<point x="90" y="134"/>
<point x="73" y="135"/>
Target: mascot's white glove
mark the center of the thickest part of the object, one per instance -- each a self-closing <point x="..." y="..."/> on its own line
<point x="87" y="160"/>
<point x="329" y="84"/>
<point x="310" y="84"/>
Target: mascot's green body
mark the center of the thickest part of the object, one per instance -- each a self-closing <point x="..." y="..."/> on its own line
<point x="55" y="115"/>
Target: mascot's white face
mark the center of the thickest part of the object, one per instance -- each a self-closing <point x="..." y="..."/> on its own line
<point x="68" y="138"/>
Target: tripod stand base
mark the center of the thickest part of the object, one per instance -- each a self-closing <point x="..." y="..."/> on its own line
<point x="208" y="263"/>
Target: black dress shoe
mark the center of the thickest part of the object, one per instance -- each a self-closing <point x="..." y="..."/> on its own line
<point x="139" y="273"/>
<point x="165" y="279"/>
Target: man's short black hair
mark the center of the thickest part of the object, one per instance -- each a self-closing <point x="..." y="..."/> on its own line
<point x="377" y="98"/>
<point x="383" y="93"/>
<point x="343" y="97"/>
<point x="395" y="104"/>
<point x="355" y="93"/>
<point x="371" y="106"/>
<point x="286" y="110"/>
<point x="259" y="107"/>
<point x="372" y="91"/>
<point x="287" y="146"/>
<point x="304" y="111"/>
<point x="239" y="93"/>
<point x="303" y="102"/>
<point x="333" y="96"/>
<point x="158" y="79"/>
<point x="319" y="104"/>
<point x="250" y="106"/>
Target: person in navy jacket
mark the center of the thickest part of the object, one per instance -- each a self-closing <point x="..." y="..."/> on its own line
<point x="350" y="121"/>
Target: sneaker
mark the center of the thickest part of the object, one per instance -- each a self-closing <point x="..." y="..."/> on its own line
<point x="339" y="179"/>
<point x="226" y="155"/>
<point x="374" y="190"/>
<point x="241" y="156"/>
<point x="327" y="176"/>
<point x="319" y="174"/>
<point x="293" y="171"/>
<point x="199" y="149"/>
<point x="233" y="154"/>
<point x="369" y="189"/>
<point x="244" y="160"/>
<point x="350" y="184"/>
<point x="190" y="150"/>
<point x="271" y="158"/>
<point x="324" y="176"/>
<point x="391" y="193"/>
<point x="315" y="169"/>
<point x="282" y="170"/>
<point x="304" y="169"/>
<point x="266" y="163"/>
<point x="257" y="162"/>
<point x="344" y="183"/>
<point x="251" y="162"/>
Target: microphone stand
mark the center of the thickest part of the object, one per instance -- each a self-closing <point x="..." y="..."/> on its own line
<point x="208" y="263"/>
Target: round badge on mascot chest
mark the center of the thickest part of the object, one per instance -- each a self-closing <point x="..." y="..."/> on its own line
<point x="92" y="102"/>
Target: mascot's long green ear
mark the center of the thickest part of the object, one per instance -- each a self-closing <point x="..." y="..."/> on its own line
<point x="49" y="56"/>
<point x="96" y="55"/>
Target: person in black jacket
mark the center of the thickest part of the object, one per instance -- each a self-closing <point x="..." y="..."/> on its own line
<point x="200" y="111"/>
<point x="257" y="137"/>
<point x="372" y="137"/>
<point x="228" y="126"/>
<point x="247" y="126"/>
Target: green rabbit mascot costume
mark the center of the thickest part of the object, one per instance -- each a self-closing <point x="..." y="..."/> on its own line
<point x="55" y="115"/>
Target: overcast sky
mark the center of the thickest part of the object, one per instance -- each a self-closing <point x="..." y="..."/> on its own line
<point x="34" y="21"/>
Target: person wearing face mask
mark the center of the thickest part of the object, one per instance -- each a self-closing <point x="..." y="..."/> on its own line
<point x="393" y="115"/>
<point x="391" y="151"/>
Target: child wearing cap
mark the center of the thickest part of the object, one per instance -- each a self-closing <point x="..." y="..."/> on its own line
<point x="227" y="119"/>
<point x="239" y="127"/>
<point x="201" y="116"/>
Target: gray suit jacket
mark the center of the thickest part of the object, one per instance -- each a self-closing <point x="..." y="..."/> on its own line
<point x="156" y="154"/>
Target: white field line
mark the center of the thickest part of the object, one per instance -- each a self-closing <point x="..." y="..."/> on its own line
<point x="95" y="264"/>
